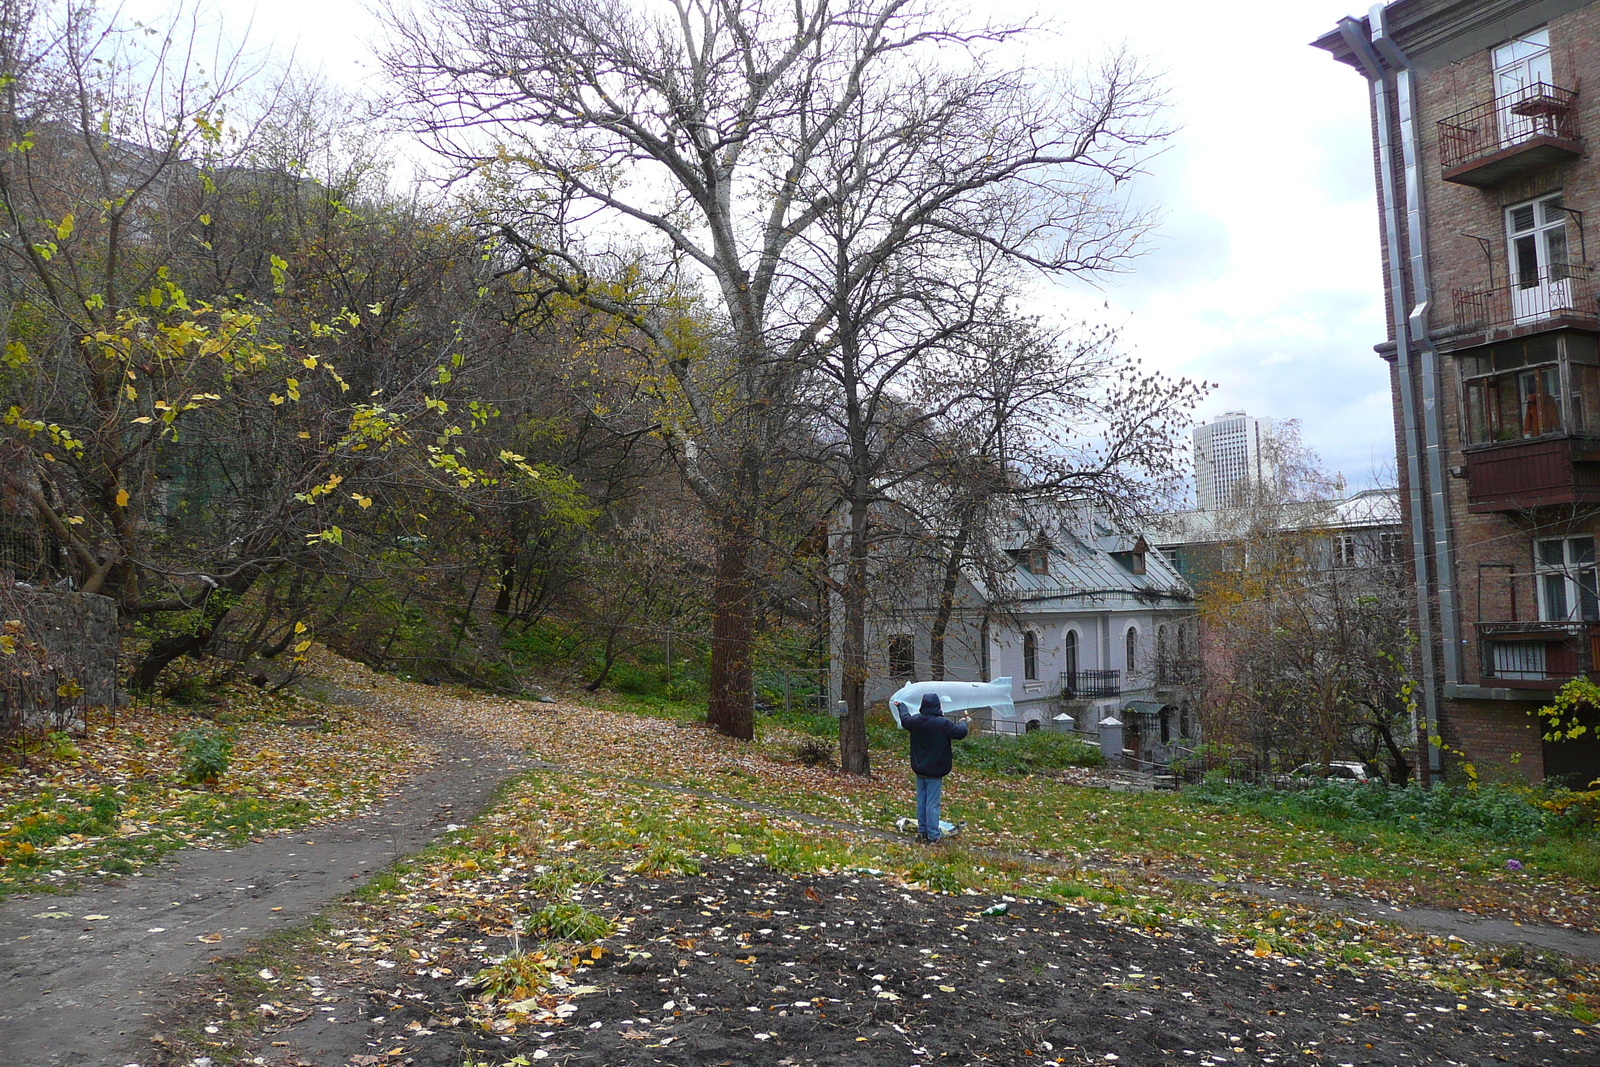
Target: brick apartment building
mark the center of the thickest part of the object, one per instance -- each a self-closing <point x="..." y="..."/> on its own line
<point x="1484" y="112"/>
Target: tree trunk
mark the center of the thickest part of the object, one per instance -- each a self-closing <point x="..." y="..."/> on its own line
<point x="947" y="601"/>
<point x="731" y="708"/>
<point x="853" y="756"/>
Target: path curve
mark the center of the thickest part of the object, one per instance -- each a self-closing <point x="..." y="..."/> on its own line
<point x="83" y="993"/>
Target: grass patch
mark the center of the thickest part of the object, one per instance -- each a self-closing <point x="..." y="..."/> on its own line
<point x="566" y="921"/>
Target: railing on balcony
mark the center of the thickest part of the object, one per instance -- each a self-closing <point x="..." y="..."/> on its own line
<point x="1500" y="138"/>
<point x="1087" y="685"/>
<point x="1560" y="291"/>
<point x="1536" y="655"/>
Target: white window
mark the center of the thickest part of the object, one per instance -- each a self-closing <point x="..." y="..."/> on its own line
<point x="1344" y="550"/>
<point x="1521" y="66"/>
<point x="1565" y="574"/>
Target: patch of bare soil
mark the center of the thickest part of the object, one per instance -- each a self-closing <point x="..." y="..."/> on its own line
<point x="743" y="966"/>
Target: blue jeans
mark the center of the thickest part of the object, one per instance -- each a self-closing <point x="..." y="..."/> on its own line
<point x="928" y="790"/>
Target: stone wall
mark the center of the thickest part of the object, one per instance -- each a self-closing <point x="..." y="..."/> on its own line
<point x="57" y="637"/>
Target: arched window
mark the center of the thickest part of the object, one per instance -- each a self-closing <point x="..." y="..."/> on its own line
<point x="1069" y="653"/>
<point x="1163" y="657"/>
<point x="1133" y="647"/>
<point x="1030" y="656"/>
<point x="1033" y="724"/>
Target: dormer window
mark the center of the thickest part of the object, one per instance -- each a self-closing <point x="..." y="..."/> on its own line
<point x="1132" y="559"/>
<point x="1038" y="560"/>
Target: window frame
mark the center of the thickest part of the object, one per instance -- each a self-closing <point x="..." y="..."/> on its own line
<point x="1574" y="576"/>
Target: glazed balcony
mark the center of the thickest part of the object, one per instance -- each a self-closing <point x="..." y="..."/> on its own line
<point x="1536" y="655"/>
<point x="1505" y="138"/>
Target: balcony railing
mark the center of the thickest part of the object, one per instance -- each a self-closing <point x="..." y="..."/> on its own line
<point x="1536" y="655"/>
<point x="1499" y="139"/>
<point x="1087" y="685"/>
<point x="1562" y="291"/>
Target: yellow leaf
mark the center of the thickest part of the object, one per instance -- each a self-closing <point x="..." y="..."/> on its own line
<point x="64" y="230"/>
<point x="122" y="498"/>
<point x="1262" y="948"/>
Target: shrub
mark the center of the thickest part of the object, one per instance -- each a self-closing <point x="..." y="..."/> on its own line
<point x="1041" y="750"/>
<point x="206" y="753"/>
<point x="1499" y="812"/>
<point x="814" y="752"/>
<point x="665" y="860"/>
<point x="517" y="977"/>
<point x="565" y="921"/>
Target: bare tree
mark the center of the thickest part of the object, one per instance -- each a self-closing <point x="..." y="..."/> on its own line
<point x="1303" y="603"/>
<point x="701" y="145"/>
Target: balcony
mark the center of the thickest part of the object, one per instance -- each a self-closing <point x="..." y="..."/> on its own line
<point x="1536" y="655"/>
<point x="1505" y="138"/>
<point x="1090" y="685"/>
<point x="1531" y="473"/>
<point x="1558" y="296"/>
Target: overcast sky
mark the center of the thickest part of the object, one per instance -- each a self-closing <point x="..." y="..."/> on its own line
<point x="1264" y="275"/>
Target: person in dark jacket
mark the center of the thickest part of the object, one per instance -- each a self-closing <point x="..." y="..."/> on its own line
<point x="931" y="734"/>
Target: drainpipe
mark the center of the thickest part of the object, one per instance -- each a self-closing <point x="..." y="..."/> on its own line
<point x="1377" y="80"/>
<point x="1444" y="549"/>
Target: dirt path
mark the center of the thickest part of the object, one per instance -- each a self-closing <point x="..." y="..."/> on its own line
<point x="80" y="991"/>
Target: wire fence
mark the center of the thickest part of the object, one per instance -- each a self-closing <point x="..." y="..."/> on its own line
<point x="30" y="551"/>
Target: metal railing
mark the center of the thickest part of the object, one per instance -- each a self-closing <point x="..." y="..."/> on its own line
<point x="1087" y="685"/>
<point x="1561" y="290"/>
<point x="1536" y="652"/>
<point x="1538" y="110"/>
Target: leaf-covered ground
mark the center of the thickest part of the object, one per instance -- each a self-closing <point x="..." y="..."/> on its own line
<point x="652" y="862"/>
<point x="117" y="798"/>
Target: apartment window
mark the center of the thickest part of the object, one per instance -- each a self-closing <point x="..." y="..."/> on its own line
<point x="1344" y="550"/>
<point x="902" y="656"/>
<point x="1133" y="648"/>
<point x="1565" y="574"/>
<point x="1030" y="656"/>
<point x="1391" y="546"/>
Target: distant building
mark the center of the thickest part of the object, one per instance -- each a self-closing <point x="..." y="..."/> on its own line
<point x="1228" y="458"/>
<point x="1087" y="620"/>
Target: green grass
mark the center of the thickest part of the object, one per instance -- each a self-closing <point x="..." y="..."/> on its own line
<point x="37" y="834"/>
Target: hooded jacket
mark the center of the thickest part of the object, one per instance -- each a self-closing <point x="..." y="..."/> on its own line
<point x="931" y="734"/>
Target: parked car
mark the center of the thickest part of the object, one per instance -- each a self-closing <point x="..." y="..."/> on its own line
<point x="1341" y="771"/>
